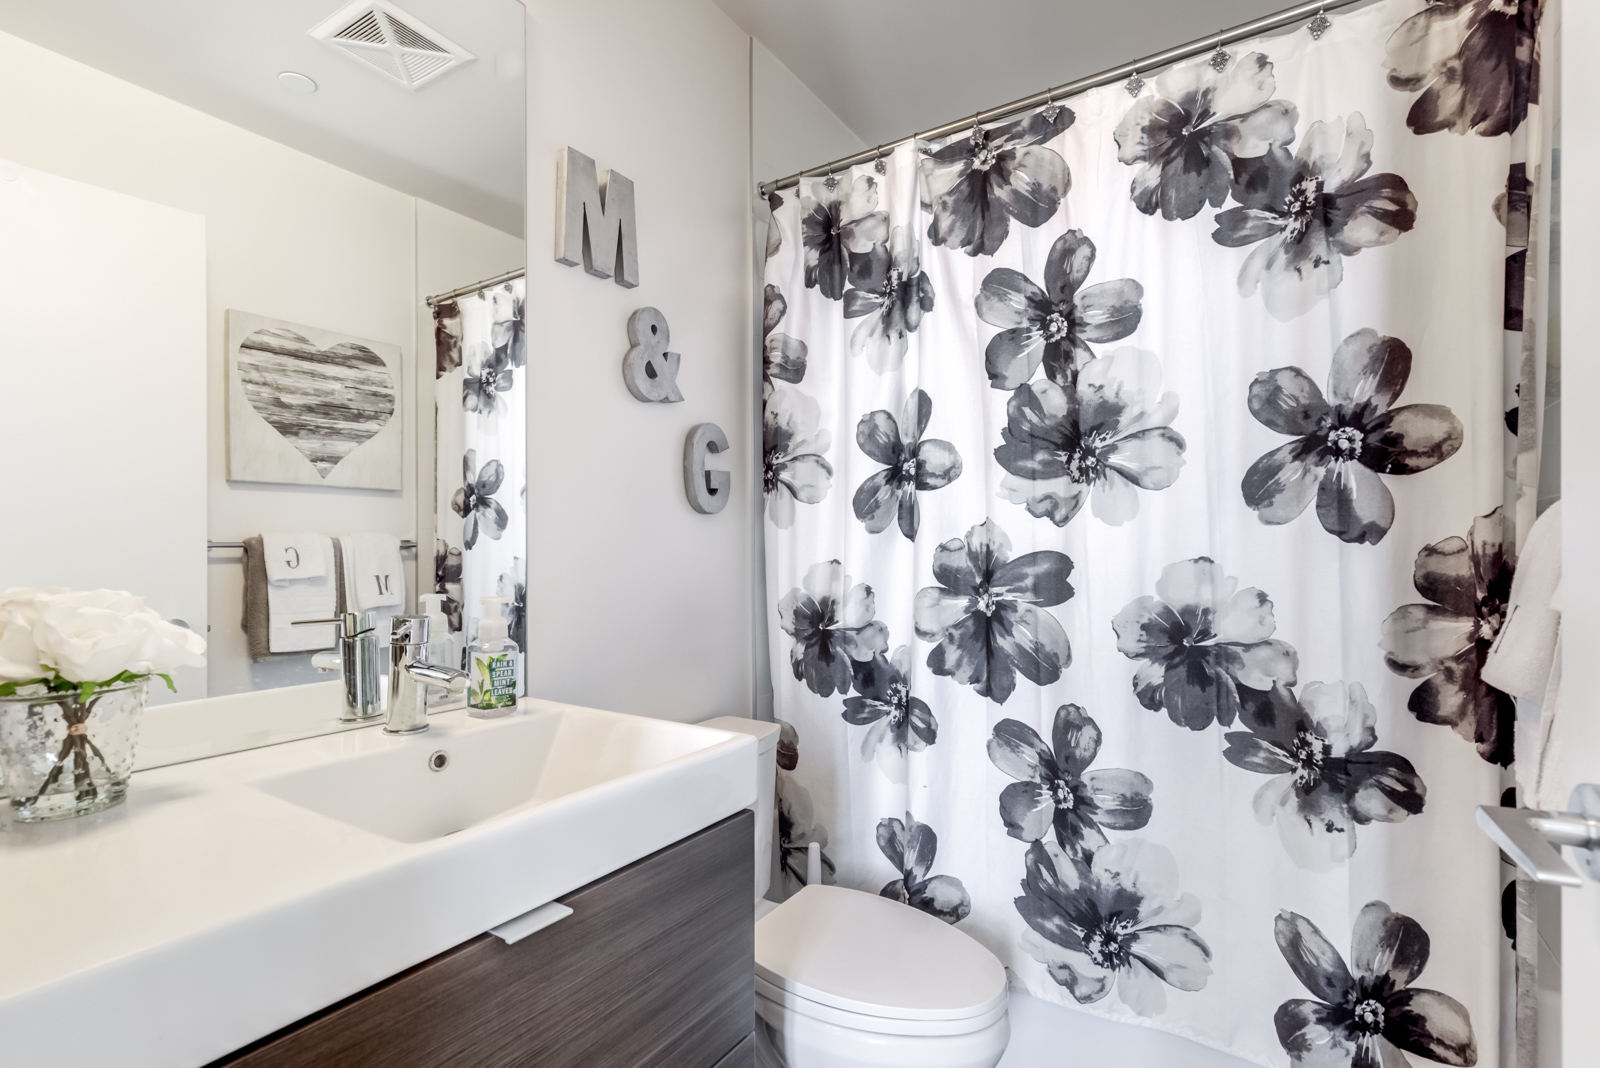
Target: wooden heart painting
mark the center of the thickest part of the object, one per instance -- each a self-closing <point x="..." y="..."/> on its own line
<point x="311" y="406"/>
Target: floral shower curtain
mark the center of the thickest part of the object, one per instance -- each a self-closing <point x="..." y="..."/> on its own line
<point x="481" y="478"/>
<point x="1142" y="492"/>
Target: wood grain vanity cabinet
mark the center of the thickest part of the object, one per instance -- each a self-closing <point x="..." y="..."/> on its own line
<point x="655" y="967"/>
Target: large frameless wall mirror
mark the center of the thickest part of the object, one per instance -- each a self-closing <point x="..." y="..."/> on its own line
<point x="224" y="224"/>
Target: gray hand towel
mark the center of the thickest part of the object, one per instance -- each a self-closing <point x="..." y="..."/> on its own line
<point x="256" y="622"/>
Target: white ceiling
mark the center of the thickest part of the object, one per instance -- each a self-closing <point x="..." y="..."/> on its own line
<point x="889" y="68"/>
<point x="458" y="141"/>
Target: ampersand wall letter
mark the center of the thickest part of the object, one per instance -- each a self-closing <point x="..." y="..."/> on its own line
<point x="649" y="370"/>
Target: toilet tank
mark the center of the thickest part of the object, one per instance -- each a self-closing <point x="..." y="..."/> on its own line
<point x="766" y="736"/>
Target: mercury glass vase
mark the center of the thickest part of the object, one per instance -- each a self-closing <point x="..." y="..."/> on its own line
<point x="62" y="757"/>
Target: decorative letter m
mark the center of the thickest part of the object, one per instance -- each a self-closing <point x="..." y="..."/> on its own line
<point x="595" y="229"/>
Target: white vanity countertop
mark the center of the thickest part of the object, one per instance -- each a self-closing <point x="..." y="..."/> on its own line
<point x="204" y="913"/>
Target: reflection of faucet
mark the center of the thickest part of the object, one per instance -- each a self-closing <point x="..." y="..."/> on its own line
<point x="409" y="676"/>
<point x="358" y="660"/>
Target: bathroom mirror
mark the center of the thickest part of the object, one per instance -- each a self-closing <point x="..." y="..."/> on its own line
<point x="219" y="216"/>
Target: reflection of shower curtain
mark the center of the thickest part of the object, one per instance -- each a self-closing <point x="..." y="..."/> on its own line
<point x="481" y="478"/>
<point x="1140" y="507"/>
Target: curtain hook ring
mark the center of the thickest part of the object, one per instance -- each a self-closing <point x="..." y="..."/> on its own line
<point x="878" y="164"/>
<point x="1134" y="85"/>
<point x="1319" y="22"/>
<point x="1220" y="58"/>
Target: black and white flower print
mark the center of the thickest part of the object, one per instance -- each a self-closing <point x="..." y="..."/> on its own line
<point x="1307" y="211"/>
<point x="1056" y="792"/>
<point x="890" y="293"/>
<point x="910" y="847"/>
<point x="508" y="334"/>
<point x="975" y="185"/>
<point x="783" y="358"/>
<point x="831" y="622"/>
<point x="1367" y="1014"/>
<point x="988" y="613"/>
<point x="1344" y="440"/>
<point x="897" y="723"/>
<point x="914" y="464"/>
<point x="1476" y="62"/>
<point x="489" y="375"/>
<point x="513" y="586"/>
<point x="1200" y="639"/>
<point x="793" y="468"/>
<point x="797" y="829"/>
<point x="1113" y="916"/>
<point x="447" y="328"/>
<point x="837" y="225"/>
<point x="447" y="580"/>
<point x="1101" y="438"/>
<point x="1054" y="323"/>
<point x="1467" y="582"/>
<point x="1326" y="776"/>
<point x="474" y="502"/>
<point x="774" y="231"/>
<point x="1185" y="135"/>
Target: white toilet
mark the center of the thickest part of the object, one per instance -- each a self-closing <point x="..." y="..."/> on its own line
<point x="846" y="979"/>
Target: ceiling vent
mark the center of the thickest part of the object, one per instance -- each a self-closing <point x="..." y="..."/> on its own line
<point x="381" y="36"/>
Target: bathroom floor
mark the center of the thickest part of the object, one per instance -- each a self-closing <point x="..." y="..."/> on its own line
<point x="1039" y="1039"/>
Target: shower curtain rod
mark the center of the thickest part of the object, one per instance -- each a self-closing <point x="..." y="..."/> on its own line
<point x="1150" y="63"/>
<point x="474" y="287"/>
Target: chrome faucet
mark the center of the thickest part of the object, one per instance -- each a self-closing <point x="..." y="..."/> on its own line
<point x="410" y="676"/>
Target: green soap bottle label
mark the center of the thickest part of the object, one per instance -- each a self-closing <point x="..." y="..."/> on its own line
<point x="494" y="681"/>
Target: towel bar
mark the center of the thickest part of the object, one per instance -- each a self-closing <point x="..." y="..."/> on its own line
<point x="406" y="545"/>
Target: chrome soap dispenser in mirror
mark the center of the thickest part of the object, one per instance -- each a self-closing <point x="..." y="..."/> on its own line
<point x="358" y="656"/>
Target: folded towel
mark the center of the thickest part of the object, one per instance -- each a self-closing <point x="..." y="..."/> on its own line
<point x="294" y="555"/>
<point x="296" y="599"/>
<point x="373" y="575"/>
<point x="255" y="600"/>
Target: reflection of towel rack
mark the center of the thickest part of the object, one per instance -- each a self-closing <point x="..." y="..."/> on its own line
<point x="406" y="545"/>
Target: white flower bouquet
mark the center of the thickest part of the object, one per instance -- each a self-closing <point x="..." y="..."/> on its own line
<point x="87" y="640"/>
<point x="75" y="663"/>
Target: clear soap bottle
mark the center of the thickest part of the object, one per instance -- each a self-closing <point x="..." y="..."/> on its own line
<point x="492" y="683"/>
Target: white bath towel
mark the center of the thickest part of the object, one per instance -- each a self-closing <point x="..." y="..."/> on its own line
<point x="373" y="573"/>
<point x="1525" y="660"/>
<point x="301" y="598"/>
<point x="294" y="555"/>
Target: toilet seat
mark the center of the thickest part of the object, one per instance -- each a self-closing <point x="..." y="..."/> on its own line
<point x="769" y="997"/>
<point x="868" y="963"/>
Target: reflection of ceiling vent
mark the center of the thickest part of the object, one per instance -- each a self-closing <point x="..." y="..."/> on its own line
<point x="390" y="41"/>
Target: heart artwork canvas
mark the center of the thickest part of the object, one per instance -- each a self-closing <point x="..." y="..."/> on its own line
<point x="311" y="406"/>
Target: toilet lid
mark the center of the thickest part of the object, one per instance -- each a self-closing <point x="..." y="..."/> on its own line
<point x="870" y="955"/>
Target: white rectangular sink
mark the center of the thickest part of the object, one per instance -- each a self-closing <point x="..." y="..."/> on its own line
<point x="437" y="784"/>
<point x="234" y="895"/>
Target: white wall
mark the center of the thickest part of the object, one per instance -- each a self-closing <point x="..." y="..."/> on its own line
<point x="635" y="601"/>
<point x="105" y="465"/>
<point x="288" y="236"/>
<point x="791" y="129"/>
<point x="1580" y="493"/>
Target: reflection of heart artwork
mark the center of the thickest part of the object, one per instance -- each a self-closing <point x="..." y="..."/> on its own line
<point x="324" y="402"/>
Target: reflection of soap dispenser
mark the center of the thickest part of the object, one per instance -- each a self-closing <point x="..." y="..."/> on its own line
<point x="492" y="664"/>
<point x="444" y="649"/>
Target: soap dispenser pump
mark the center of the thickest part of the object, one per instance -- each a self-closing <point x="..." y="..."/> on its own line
<point x="492" y="664"/>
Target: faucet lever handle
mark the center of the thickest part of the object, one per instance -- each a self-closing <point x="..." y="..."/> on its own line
<point x="408" y="630"/>
<point x="347" y="624"/>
